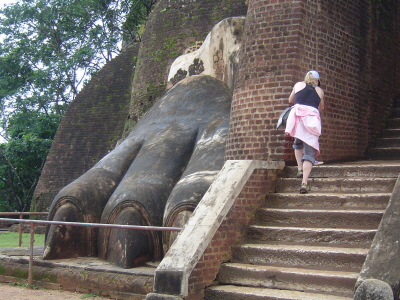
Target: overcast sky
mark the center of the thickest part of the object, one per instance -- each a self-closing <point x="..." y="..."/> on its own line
<point x="2" y="2"/>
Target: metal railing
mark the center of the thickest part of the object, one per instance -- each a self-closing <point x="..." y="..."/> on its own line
<point x="97" y="225"/>
<point x="21" y="216"/>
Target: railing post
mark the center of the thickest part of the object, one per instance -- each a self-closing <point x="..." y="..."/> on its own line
<point x="21" y="216"/>
<point x="31" y="255"/>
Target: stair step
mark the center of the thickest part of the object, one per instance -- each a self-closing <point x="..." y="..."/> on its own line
<point x="387" y="153"/>
<point x="375" y="169"/>
<point x="320" y="217"/>
<point x="310" y="246"/>
<point x="300" y="255"/>
<point x="312" y="280"/>
<point x="331" y="185"/>
<point x="390" y="132"/>
<point x="311" y="235"/>
<point x="230" y="292"/>
<point x="395" y="112"/>
<point x="328" y="200"/>
<point x="388" y="142"/>
<point x="394" y="123"/>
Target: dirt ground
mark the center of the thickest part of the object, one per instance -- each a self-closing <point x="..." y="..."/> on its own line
<point x="21" y="293"/>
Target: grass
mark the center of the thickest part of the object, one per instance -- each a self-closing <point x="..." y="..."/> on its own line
<point x="89" y="296"/>
<point x="10" y="239"/>
<point x="25" y="285"/>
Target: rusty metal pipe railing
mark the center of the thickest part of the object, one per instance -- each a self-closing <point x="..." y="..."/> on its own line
<point x="32" y="241"/>
<point x="98" y="225"/>
<point x="21" y="216"/>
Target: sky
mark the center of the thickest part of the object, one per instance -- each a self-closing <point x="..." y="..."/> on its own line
<point x="2" y="2"/>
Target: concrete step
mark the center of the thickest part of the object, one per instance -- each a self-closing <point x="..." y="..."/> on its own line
<point x="385" y="153"/>
<point x="297" y="255"/>
<point x="231" y="292"/>
<point x="394" y="123"/>
<point x="396" y="112"/>
<point x="310" y="280"/>
<point x="310" y="246"/>
<point x="311" y="235"/>
<point x="339" y="184"/>
<point x="388" y="142"/>
<point x="320" y="217"/>
<point x="390" y="132"/>
<point x="375" y="169"/>
<point x="328" y="200"/>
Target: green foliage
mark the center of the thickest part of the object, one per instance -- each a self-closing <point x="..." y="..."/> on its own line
<point x="33" y="123"/>
<point x="138" y="13"/>
<point x="22" y="157"/>
<point x="25" y="285"/>
<point x="86" y="296"/>
<point x="51" y="47"/>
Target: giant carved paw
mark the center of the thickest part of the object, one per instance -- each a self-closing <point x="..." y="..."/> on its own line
<point x="155" y="177"/>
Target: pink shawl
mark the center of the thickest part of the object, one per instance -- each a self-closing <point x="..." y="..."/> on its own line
<point x="304" y="123"/>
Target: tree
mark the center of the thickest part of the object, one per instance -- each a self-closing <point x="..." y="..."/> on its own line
<point x="23" y="156"/>
<point x="49" y="48"/>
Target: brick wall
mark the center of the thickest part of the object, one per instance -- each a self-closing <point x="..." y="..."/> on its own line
<point x="383" y="46"/>
<point x="339" y="39"/>
<point x="89" y="129"/>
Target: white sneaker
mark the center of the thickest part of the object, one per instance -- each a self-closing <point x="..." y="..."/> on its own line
<point x="317" y="162"/>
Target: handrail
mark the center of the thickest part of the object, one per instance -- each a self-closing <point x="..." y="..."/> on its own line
<point x="98" y="225"/>
<point x="21" y="215"/>
<point x="187" y="249"/>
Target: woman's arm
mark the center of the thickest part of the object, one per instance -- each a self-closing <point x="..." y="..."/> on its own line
<point x="291" y="97"/>
<point x="321" y="95"/>
<point x="297" y="87"/>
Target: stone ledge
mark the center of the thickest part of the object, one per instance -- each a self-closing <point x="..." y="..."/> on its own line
<point x="83" y="274"/>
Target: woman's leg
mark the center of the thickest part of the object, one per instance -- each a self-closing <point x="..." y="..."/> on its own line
<point x="307" y="167"/>
<point x="308" y="160"/>
<point x="298" y="153"/>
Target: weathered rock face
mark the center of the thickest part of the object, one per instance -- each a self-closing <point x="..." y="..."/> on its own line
<point x="218" y="56"/>
<point x="169" y="160"/>
<point x="372" y="289"/>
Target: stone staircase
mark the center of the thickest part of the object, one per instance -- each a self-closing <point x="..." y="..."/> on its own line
<point x="310" y="246"/>
<point x="388" y="143"/>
